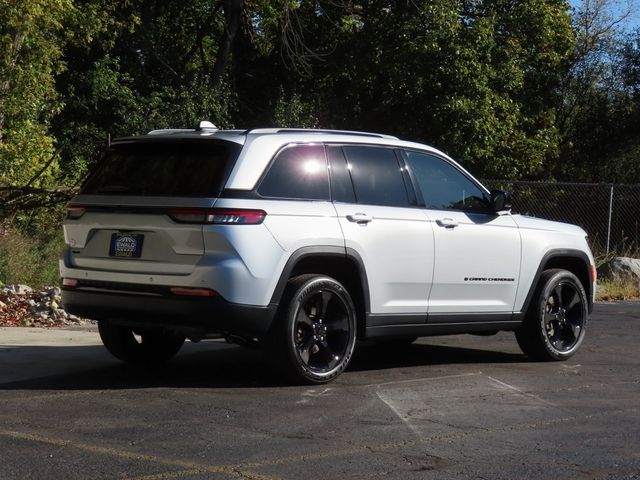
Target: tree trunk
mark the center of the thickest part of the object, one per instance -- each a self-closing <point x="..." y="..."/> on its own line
<point x="233" y="20"/>
<point x="18" y="40"/>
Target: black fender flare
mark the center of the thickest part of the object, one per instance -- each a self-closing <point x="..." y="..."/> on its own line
<point x="322" y="251"/>
<point x="551" y="254"/>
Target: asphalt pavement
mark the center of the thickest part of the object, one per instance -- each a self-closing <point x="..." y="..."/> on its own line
<point x="453" y="407"/>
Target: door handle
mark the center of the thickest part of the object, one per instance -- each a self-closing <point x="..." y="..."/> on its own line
<point x="359" y="218"/>
<point x="447" y="223"/>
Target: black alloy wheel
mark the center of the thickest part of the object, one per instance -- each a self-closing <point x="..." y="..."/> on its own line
<point x="564" y="320"/>
<point x="319" y="323"/>
<point x="556" y="322"/>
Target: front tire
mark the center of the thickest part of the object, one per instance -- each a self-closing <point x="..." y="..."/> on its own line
<point x="144" y="346"/>
<point x="315" y="332"/>
<point x="555" y="324"/>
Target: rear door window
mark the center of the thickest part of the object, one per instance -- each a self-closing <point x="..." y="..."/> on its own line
<point x="298" y="171"/>
<point x="172" y="169"/>
<point x="377" y="177"/>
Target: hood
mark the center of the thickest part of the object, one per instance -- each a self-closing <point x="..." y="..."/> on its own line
<point x="534" y="223"/>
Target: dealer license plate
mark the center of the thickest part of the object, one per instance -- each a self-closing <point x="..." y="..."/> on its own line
<point x="126" y="245"/>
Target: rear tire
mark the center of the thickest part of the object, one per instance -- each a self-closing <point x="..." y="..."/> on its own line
<point x="315" y="331"/>
<point x="555" y="324"/>
<point x="143" y="346"/>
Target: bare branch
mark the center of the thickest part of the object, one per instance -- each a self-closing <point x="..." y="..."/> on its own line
<point x="203" y="29"/>
<point x="20" y="199"/>
<point x="44" y="168"/>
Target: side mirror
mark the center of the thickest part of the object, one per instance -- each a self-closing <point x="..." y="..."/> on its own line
<point x="500" y="201"/>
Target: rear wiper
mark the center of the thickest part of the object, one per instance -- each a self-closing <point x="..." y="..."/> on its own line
<point x="113" y="189"/>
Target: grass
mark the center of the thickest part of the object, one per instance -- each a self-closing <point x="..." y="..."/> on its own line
<point x="29" y="253"/>
<point x="601" y="256"/>
<point x="616" y="289"/>
<point x="624" y="289"/>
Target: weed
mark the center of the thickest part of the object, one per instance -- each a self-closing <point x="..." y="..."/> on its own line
<point x="623" y="289"/>
<point x="30" y="255"/>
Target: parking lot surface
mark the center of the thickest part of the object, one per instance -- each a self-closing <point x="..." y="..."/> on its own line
<point x="444" y="407"/>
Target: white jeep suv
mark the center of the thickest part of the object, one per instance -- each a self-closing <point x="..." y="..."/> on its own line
<point x="303" y="241"/>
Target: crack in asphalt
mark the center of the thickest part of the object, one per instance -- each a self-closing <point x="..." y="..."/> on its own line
<point x="241" y="470"/>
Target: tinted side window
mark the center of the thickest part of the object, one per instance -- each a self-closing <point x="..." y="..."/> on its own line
<point x="341" y="186"/>
<point x="376" y="176"/>
<point x="443" y="186"/>
<point x="299" y="171"/>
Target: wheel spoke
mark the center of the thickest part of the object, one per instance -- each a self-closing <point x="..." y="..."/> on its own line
<point x="338" y="324"/>
<point x="305" y="349"/>
<point x="303" y="318"/>
<point x="558" y="295"/>
<point x="574" y="329"/>
<point x="549" y="317"/>
<point x="331" y="358"/>
<point x="323" y="306"/>
<point x="557" y="343"/>
<point x="575" y="299"/>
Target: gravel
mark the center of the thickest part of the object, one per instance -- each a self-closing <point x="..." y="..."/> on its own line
<point x="22" y="306"/>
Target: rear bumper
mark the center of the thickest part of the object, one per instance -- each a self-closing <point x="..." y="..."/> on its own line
<point x="194" y="316"/>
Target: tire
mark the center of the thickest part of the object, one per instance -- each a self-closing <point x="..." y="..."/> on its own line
<point x="152" y="347"/>
<point x="555" y="324"/>
<point x="315" y="331"/>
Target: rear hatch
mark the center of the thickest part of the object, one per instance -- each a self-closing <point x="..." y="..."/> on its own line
<point x="138" y="211"/>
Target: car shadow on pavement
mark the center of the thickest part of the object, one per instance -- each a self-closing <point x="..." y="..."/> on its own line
<point x="381" y="356"/>
<point x="212" y="365"/>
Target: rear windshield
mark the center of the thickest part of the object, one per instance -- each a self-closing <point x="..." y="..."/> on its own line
<point x="172" y="169"/>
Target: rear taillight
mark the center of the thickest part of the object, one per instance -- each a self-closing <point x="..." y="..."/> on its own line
<point x="217" y="216"/>
<point x="73" y="213"/>
<point x="594" y="274"/>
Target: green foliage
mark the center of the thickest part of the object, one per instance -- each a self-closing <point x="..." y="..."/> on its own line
<point x="294" y="112"/>
<point x="599" y="115"/>
<point x="30" y="58"/>
<point x="30" y="247"/>
<point x="477" y="79"/>
<point x="512" y="89"/>
<point x="150" y="70"/>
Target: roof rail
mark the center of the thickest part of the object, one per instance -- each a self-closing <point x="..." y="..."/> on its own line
<point x="169" y="130"/>
<point x="203" y="126"/>
<point x="322" y="131"/>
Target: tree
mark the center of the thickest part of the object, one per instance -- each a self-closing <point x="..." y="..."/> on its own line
<point x="478" y="79"/>
<point x="159" y="65"/>
<point x="31" y="41"/>
<point x="596" y="115"/>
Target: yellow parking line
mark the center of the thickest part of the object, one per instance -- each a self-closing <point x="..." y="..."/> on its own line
<point x="190" y="466"/>
<point x="169" y="475"/>
<point x="47" y="396"/>
<point x="241" y="470"/>
<point x="185" y="473"/>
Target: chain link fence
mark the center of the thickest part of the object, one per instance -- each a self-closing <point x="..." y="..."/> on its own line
<point x="609" y="213"/>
